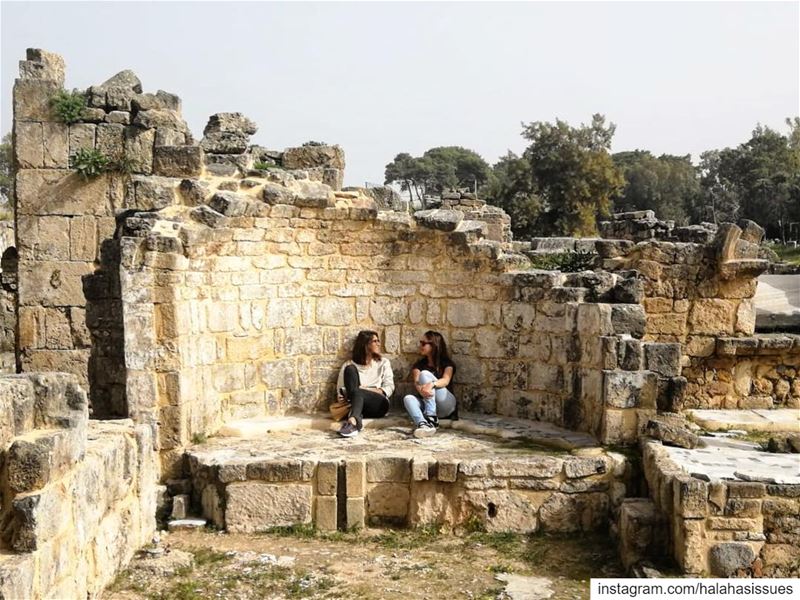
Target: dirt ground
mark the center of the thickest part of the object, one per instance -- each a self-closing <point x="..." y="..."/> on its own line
<point x="371" y="565"/>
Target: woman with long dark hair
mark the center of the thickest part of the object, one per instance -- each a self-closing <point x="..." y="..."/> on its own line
<point x="366" y="382"/>
<point x="433" y="378"/>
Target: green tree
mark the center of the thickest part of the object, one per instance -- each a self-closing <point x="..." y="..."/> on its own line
<point x="437" y="170"/>
<point x="668" y="185"/>
<point x="511" y="187"/>
<point x="720" y="197"/>
<point x="573" y="172"/>
<point x="6" y="174"/>
<point x="758" y="180"/>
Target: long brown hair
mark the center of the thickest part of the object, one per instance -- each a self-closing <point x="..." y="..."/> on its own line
<point x="440" y="355"/>
<point x="363" y="339"/>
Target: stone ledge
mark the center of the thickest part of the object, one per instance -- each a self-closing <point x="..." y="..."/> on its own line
<point x="489" y="468"/>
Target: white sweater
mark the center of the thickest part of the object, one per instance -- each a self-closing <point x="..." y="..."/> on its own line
<point x="376" y="374"/>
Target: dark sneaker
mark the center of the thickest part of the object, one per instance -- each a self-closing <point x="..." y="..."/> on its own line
<point x="433" y="421"/>
<point x="348" y="430"/>
<point x="424" y="429"/>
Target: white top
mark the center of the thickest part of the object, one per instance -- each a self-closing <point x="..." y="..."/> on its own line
<point x="376" y="374"/>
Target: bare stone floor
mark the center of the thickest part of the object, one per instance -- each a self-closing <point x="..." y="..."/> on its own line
<point x="737" y="460"/>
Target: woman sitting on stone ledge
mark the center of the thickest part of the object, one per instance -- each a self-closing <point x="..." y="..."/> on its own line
<point x="433" y="377"/>
<point x="366" y="382"/>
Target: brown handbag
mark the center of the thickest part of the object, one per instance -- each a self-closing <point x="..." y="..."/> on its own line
<point x="339" y="410"/>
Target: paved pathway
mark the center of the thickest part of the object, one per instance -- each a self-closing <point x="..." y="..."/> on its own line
<point x="777" y="301"/>
<point x="737" y="460"/>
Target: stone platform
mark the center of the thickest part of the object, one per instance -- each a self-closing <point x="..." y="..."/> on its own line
<point x="726" y="500"/>
<point x="506" y="474"/>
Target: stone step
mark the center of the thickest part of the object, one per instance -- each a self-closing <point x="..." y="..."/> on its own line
<point x="467" y="471"/>
<point x="774" y="419"/>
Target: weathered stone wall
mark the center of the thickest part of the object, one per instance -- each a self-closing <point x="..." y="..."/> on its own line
<point x="69" y="308"/>
<point x="699" y="294"/>
<point x="78" y="496"/>
<point x="251" y="308"/>
<point x="725" y="528"/>
<point x="761" y="371"/>
<point x="508" y="493"/>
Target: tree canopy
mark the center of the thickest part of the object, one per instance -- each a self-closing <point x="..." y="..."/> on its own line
<point x="437" y="170"/>
<point x="758" y="180"/>
<point x="6" y="172"/>
<point x="667" y="184"/>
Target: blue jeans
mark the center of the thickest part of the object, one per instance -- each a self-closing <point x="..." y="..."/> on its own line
<point x="441" y="404"/>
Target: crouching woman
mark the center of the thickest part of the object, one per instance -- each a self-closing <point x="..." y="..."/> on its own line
<point x="433" y="379"/>
<point x="366" y="382"/>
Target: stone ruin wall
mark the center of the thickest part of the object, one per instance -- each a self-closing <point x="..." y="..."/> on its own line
<point x="196" y="289"/>
<point x="78" y="496"/>
<point x="708" y="525"/>
<point x="253" y="315"/>
<point x="698" y="286"/>
<point x="240" y="289"/>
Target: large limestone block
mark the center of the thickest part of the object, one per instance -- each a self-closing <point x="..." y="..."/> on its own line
<point x="388" y="468"/>
<point x="574" y="512"/>
<point x="387" y="501"/>
<point x="139" y="145"/>
<point x="38" y="516"/>
<point x="28" y="145"/>
<point x="50" y="283"/>
<point x="34" y="461"/>
<point x="630" y="389"/>
<point x="465" y="313"/>
<point x="41" y="64"/>
<point x="712" y="316"/>
<point x="81" y="136"/>
<point x="257" y="506"/>
<point x="32" y="99"/>
<point x="506" y="510"/>
<point x="53" y="192"/>
<point x="110" y="140"/>
<point x="178" y="161"/>
<point x="56" y="145"/>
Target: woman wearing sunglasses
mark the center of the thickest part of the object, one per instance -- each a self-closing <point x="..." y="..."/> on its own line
<point x="366" y="382"/>
<point x="433" y="378"/>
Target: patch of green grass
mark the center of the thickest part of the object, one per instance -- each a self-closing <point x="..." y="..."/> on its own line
<point x="208" y="556"/>
<point x="786" y="253"/>
<point x="474" y="524"/>
<point x="410" y="539"/>
<point x="182" y="590"/>
<point x="504" y="543"/>
<point x="199" y="438"/>
<point x="298" y="530"/>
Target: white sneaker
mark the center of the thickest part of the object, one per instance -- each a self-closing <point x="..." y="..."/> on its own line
<point x="424" y="429"/>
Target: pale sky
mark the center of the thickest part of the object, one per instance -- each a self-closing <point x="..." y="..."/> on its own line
<point x="383" y="78"/>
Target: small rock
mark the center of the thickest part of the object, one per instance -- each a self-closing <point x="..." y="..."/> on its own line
<point x="728" y="557"/>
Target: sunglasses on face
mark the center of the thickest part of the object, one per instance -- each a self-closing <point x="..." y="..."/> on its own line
<point x="424" y="343"/>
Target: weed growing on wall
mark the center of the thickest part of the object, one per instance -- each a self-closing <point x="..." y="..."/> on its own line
<point x="68" y="106"/>
<point x="90" y="163"/>
<point x="566" y="262"/>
